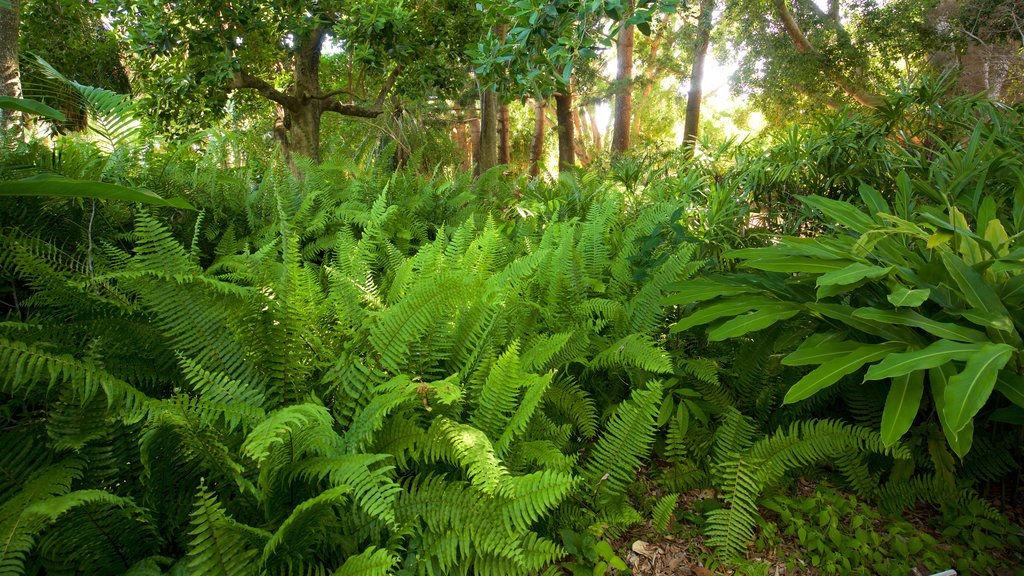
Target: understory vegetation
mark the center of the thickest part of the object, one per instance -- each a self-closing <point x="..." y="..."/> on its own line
<point x="806" y="347"/>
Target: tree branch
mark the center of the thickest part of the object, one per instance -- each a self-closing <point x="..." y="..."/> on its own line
<point x="241" y="80"/>
<point x="804" y="46"/>
<point x="331" y="104"/>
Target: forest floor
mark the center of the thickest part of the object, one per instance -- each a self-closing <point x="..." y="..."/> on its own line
<point x="684" y="553"/>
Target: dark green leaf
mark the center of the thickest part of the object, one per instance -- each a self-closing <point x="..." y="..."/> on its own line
<point x="59" y="186"/>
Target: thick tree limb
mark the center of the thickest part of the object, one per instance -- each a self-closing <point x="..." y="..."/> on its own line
<point x="243" y="79"/>
<point x="804" y="46"/>
<point x="331" y="104"/>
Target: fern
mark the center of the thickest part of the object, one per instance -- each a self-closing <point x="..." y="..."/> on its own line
<point x="216" y="546"/>
<point x="614" y="459"/>
<point x="636" y="351"/>
<point x="370" y="562"/>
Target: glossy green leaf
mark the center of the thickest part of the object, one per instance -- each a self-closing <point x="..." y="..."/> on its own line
<point x="59" y="186"/>
<point x="842" y="213"/>
<point x="30" y="107"/>
<point x="946" y="330"/>
<point x="751" y="322"/>
<point x="968" y="391"/>
<point x="796" y="264"/>
<point x="1012" y="386"/>
<point x="873" y="199"/>
<point x="901" y="406"/>
<point x="820" y="348"/>
<point x="845" y="315"/>
<point x="700" y="290"/>
<point x="960" y="441"/>
<point x="852" y="273"/>
<point x="936" y="354"/>
<point x="830" y="372"/>
<point x="731" y="307"/>
<point x="982" y="318"/>
<point x="974" y="288"/>
<point x="907" y="297"/>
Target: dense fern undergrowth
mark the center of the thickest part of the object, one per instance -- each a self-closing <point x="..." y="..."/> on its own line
<point x="374" y="372"/>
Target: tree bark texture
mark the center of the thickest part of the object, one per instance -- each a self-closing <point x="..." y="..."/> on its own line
<point x="537" y="145"/>
<point x="691" y="127"/>
<point x="624" y="86"/>
<point x="10" y="75"/>
<point x="487" y="149"/>
<point x="301" y="107"/>
<point x="566" y="148"/>
<point x="504" y="135"/>
<point x="580" y="138"/>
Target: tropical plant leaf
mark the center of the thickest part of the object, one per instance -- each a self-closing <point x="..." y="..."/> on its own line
<point x="907" y="297"/>
<point x="968" y="391"/>
<point x="30" y="106"/>
<point x="936" y="354"/>
<point x="901" y="406"/>
<point x="59" y="186"/>
<point x="830" y="372"/>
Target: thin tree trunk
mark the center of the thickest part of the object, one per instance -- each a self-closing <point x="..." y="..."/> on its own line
<point x="580" y="142"/>
<point x="10" y="75"/>
<point x="566" y="148"/>
<point x="474" y="135"/>
<point x="700" y="51"/>
<point x="652" y="71"/>
<point x="487" y="150"/>
<point x="595" y="130"/>
<point x="624" y="88"/>
<point x="504" y="132"/>
<point x="537" y="146"/>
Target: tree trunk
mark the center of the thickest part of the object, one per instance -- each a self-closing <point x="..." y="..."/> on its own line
<point x="693" y="100"/>
<point x="653" y="70"/>
<point x="624" y="86"/>
<point x="474" y="134"/>
<point x="537" y="146"/>
<point x="595" y="131"/>
<point x="487" y="149"/>
<point x="566" y="148"/>
<point x="580" y="139"/>
<point x="10" y="76"/>
<point x="504" y="132"/>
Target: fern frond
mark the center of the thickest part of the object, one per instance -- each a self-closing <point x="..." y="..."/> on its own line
<point x="663" y="512"/>
<point x="635" y="350"/>
<point x="313" y="419"/>
<point x="370" y="562"/>
<point x="215" y="547"/>
<point x="613" y="461"/>
<point x="303" y="528"/>
<point x="369" y="482"/>
<point x="25" y="367"/>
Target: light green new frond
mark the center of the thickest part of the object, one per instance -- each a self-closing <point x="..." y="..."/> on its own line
<point x="286" y="422"/>
<point x="221" y="389"/>
<point x="593" y="244"/>
<point x="528" y="498"/>
<point x="613" y="461"/>
<point x="25" y="366"/>
<point x="472" y="450"/>
<point x="730" y="530"/>
<point x="635" y="350"/>
<point x="303" y="528"/>
<point x="215" y="547"/>
<point x="702" y="369"/>
<point x="541" y="351"/>
<point x="370" y="562"/>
